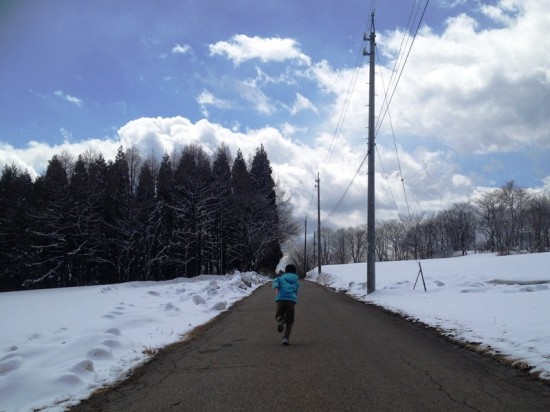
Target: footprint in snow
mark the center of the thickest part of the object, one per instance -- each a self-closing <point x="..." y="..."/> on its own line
<point x="220" y="306"/>
<point x="169" y="307"/>
<point x="114" y="331"/>
<point x="69" y="379"/>
<point x="83" y="367"/>
<point x="10" y="363"/>
<point x="111" y="343"/>
<point x="99" y="354"/>
<point x="198" y="300"/>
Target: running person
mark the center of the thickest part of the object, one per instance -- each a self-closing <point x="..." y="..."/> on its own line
<point x="286" y="293"/>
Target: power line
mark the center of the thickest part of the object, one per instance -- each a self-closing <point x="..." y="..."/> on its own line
<point x="387" y="101"/>
<point x="345" y="191"/>
<point x="342" y="116"/>
<point x="384" y="107"/>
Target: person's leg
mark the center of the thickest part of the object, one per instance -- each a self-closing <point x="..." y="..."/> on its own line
<point x="289" y="317"/>
<point x="280" y="315"/>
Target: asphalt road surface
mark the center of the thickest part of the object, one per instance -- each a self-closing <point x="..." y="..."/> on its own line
<point x="344" y="356"/>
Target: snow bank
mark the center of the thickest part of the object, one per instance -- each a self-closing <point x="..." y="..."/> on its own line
<point x="500" y="303"/>
<point x="59" y="345"/>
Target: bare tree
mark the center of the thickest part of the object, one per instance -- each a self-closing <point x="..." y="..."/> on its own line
<point x="538" y="223"/>
<point x="133" y="157"/>
<point x="460" y="222"/>
<point x="501" y="215"/>
<point x="339" y="246"/>
<point x="490" y="219"/>
<point x="513" y="200"/>
<point x="412" y="225"/>
<point x="382" y="246"/>
<point x="356" y="239"/>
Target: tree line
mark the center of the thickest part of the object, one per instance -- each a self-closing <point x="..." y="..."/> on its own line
<point x="93" y="221"/>
<point x="506" y="220"/>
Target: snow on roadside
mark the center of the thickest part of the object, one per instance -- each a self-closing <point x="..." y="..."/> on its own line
<point x="59" y="345"/>
<point x="498" y="302"/>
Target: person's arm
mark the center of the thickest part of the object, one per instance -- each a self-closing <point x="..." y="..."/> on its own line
<point x="275" y="285"/>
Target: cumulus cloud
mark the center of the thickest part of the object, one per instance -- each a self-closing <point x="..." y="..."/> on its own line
<point x="432" y="178"/>
<point x="242" y="48"/>
<point x="464" y="91"/>
<point x="179" y="49"/>
<point x="35" y="156"/>
<point x="477" y="91"/>
<point x="71" y="99"/>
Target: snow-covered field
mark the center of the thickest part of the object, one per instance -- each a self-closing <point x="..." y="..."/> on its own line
<point x="59" y="345"/>
<point x="501" y="303"/>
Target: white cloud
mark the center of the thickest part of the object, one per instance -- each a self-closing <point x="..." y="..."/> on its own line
<point x="461" y="180"/>
<point x="179" y="49"/>
<point x="206" y="98"/>
<point x="71" y="99"/>
<point x="468" y="90"/>
<point x="34" y="158"/>
<point x="503" y="12"/>
<point x="242" y="48"/>
<point x="477" y="91"/>
<point x="251" y="92"/>
<point x="302" y="103"/>
<point x="432" y="178"/>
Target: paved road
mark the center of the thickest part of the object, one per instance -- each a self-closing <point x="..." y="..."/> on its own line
<point x="344" y="356"/>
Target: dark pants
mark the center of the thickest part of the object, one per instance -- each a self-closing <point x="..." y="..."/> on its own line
<point x="285" y="312"/>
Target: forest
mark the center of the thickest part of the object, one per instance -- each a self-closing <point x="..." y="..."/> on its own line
<point x="91" y="221"/>
<point x="506" y="220"/>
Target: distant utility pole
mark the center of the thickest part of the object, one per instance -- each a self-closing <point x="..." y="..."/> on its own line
<point x="371" y="236"/>
<point x="305" y="247"/>
<point x="318" y="222"/>
<point x="314" y="248"/>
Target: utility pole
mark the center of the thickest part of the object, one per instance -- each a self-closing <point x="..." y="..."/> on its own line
<point x="318" y="222"/>
<point x="314" y="248"/>
<point x="305" y="247"/>
<point x="371" y="236"/>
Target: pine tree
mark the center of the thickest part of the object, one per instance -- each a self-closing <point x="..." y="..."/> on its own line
<point x="239" y="245"/>
<point x="15" y="224"/>
<point x="120" y="218"/>
<point x="49" y="237"/>
<point x="80" y="215"/>
<point x="163" y="264"/>
<point x="192" y="193"/>
<point x="147" y="224"/>
<point x="222" y="215"/>
<point x="99" y="266"/>
<point x="267" y="232"/>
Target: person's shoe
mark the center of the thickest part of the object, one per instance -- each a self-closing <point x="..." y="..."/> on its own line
<point x="281" y="325"/>
<point x="286" y="342"/>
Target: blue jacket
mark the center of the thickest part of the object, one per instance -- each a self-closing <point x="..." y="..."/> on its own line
<point x="288" y="286"/>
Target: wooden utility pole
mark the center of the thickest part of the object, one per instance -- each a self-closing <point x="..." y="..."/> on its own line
<point x="305" y="247"/>
<point x="371" y="236"/>
<point x="318" y="223"/>
<point x="314" y="248"/>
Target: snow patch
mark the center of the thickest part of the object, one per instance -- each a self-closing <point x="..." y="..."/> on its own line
<point x="51" y="357"/>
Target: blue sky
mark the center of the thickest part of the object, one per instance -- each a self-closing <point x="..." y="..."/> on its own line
<point x="470" y="112"/>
